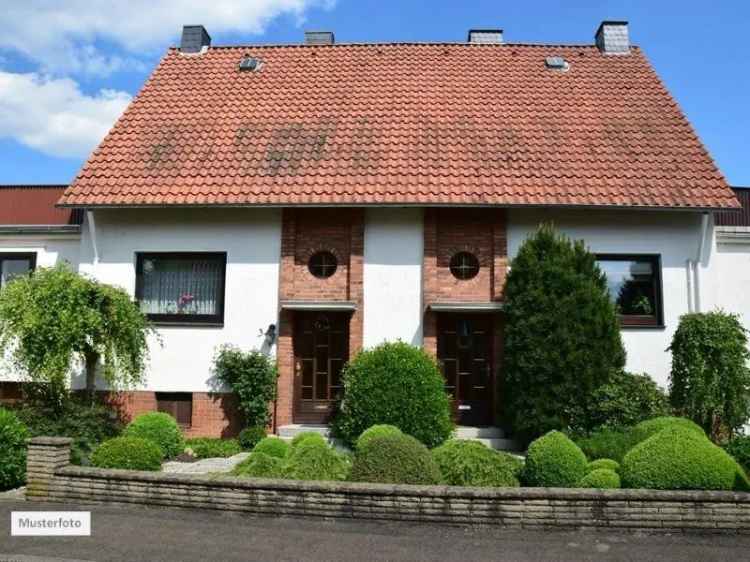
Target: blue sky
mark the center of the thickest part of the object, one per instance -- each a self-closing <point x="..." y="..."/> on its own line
<point x="66" y="76"/>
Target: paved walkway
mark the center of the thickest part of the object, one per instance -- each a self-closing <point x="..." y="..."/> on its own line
<point x="205" y="466"/>
<point x="131" y="534"/>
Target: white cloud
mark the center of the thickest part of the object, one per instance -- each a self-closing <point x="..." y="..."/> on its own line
<point x="53" y="115"/>
<point x="65" y="36"/>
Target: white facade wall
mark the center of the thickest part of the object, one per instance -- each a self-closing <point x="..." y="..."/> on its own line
<point x="393" y="276"/>
<point x="675" y="236"/>
<point x="728" y="285"/>
<point x="252" y="240"/>
<point x="50" y="250"/>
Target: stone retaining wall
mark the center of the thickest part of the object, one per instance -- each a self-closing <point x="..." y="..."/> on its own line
<point x="52" y="479"/>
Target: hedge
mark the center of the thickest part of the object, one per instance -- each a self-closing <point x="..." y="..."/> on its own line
<point x="13" y="435"/>
<point x="272" y="446"/>
<point x="133" y="453"/>
<point x="313" y="460"/>
<point x="259" y="465"/>
<point x="470" y="463"/>
<point x="379" y="430"/>
<point x="395" y="459"/>
<point x="600" y="478"/>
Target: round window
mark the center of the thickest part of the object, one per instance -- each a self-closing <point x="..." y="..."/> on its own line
<point x="322" y="264"/>
<point x="464" y="265"/>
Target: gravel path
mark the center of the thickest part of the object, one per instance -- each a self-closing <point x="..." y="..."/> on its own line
<point x="204" y="466"/>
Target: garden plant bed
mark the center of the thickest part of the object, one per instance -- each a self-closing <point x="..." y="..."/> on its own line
<point x="52" y="478"/>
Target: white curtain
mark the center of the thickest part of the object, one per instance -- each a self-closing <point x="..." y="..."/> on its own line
<point x="181" y="286"/>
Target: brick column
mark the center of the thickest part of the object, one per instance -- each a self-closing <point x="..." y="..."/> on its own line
<point x="356" y="277"/>
<point x="499" y="254"/>
<point x="284" y="350"/>
<point x="45" y="456"/>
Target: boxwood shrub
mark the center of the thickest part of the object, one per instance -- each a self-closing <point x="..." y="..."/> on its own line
<point x="647" y="428"/>
<point x="376" y="431"/>
<point x="554" y="460"/>
<point x="159" y="428"/>
<point x="739" y="448"/>
<point x="308" y="437"/>
<point x="209" y="448"/>
<point x="133" y="453"/>
<point x="314" y="460"/>
<point x="250" y="436"/>
<point x="273" y="447"/>
<point x="259" y="465"/>
<point x="395" y="459"/>
<point x="608" y="464"/>
<point x="470" y="463"/>
<point x="395" y="384"/>
<point x="679" y="458"/>
<point x="600" y="478"/>
<point x="607" y="443"/>
<point x="13" y="435"/>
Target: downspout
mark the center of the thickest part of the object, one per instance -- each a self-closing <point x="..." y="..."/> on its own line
<point x="689" y="281"/>
<point x="699" y="261"/>
<point x="92" y="232"/>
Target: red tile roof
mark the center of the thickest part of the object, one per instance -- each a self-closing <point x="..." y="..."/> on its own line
<point x="34" y="205"/>
<point x="402" y="124"/>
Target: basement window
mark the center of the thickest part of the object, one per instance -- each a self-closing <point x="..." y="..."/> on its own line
<point x="181" y="288"/>
<point x="179" y="405"/>
<point x="14" y="265"/>
<point x="634" y="283"/>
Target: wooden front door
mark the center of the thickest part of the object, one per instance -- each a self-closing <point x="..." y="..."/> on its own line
<point x="465" y="356"/>
<point x="321" y="348"/>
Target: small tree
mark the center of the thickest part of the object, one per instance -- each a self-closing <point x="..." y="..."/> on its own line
<point x="562" y="337"/>
<point x="53" y="317"/>
<point x="252" y="377"/>
<point x="710" y="379"/>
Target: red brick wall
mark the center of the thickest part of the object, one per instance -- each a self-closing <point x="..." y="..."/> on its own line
<point x="215" y="414"/>
<point x="449" y="231"/>
<point x="304" y="232"/>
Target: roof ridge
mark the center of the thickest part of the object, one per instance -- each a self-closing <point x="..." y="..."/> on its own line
<point x="401" y="44"/>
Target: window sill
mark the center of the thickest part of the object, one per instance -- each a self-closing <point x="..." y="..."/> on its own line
<point x="167" y="324"/>
<point x="642" y="327"/>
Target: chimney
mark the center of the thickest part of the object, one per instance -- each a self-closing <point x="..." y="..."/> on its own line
<point x="612" y="38"/>
<point x="319" y="38"/>
<point x="485" y="36"/>
<point x="194" y="38"/>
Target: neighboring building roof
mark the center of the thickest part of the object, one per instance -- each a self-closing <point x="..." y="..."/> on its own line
<point x="423" y="124"/>
<point x="34" y="206"/>
<point x="740" y="217"/>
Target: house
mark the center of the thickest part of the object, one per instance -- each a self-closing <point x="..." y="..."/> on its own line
<point x="33" y="233"/>
<point x="310" y="200"/>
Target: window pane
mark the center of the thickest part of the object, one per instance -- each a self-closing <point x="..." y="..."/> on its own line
<point x="11" y="268"/>
<point x="632" y="286"/>
<point x="178" y="285"/>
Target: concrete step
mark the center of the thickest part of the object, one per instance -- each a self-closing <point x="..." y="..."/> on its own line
<point x="498" y="443"/>
<point x="294" y="429"/>
<point x="471" y="432"/>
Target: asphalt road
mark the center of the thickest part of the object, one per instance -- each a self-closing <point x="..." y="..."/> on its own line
<point x="136" y="533"/>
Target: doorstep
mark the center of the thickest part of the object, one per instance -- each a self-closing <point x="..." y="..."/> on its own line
<point x="492" y="437"/>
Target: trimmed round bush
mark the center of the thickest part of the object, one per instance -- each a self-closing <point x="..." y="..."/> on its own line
<point x="677" y="458"/>
<point x="132" y="453"/>
<point x="379" y="430"/>
<point x="647" y="428"/>
<point x="273" y="447"/>
<point x="607" y="464"/>
<point x="553" y="460"/>
<point x="600" y="478"/>
<point x="395" y="384"/>
<point x="259" y="465"/>
<point x="470" y="463"/>
<point x="395" y="459"/>
<point x="308" y="437"/>
<point x="313" y="460"/>
<point x="250" y="436"/>
<point x="13" y="435"/>
<point x="739" y="448"/>
<point x="159" y="428"/>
